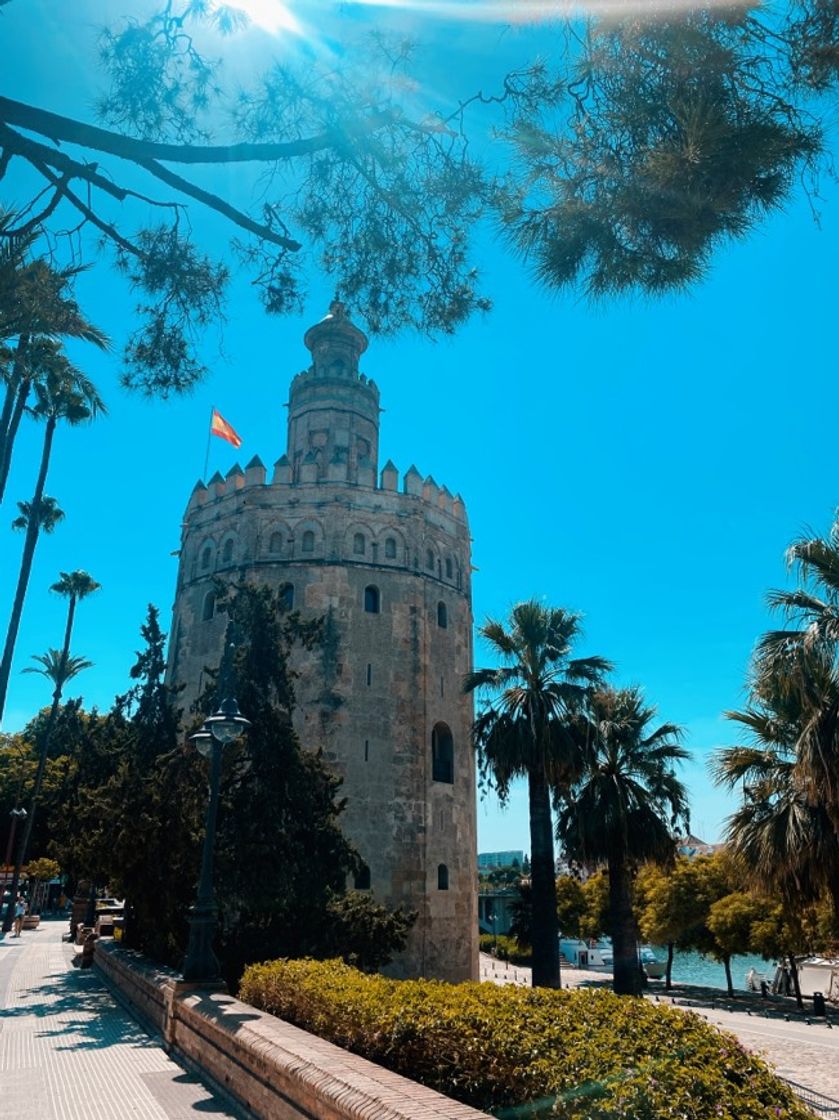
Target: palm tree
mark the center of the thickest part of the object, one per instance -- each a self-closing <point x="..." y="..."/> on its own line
<point x="624" y="807"/>
<point x="64" y="394"/>
<point x="803" y="660"/>
<point x="58" y="668"/>
<point x="37" y="307"/>
<point x="782" y="831"/>
<point x="522" y="733"/>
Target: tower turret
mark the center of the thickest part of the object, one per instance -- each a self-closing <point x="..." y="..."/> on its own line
<point x="333" y="417"/>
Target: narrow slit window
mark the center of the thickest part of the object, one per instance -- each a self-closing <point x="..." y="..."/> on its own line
<point x="276" y="542"/>
<point x="442" y="754"/>
<point x="429" y="560"/>
<point x="442" y="616"/>
<point x="390" y="548"/>
<point x="207" y="557"/>
<point x="372" y="602"/>
<point x="448" y="567"/>
<point x="366" y="750"/>
<point x="358" y="544"/>
<point x="287" y="595"/>
<point x="308" y="541"/>
<point x="209" y="608"/>
<point x="227" y="552"/>
<point x="369" y="675"/>
<point x="442" y="877"/>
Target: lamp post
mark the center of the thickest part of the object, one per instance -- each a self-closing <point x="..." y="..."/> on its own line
<point x="221" y="728"/>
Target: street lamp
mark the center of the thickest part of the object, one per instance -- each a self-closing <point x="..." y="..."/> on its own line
<point x="221" y="728"/>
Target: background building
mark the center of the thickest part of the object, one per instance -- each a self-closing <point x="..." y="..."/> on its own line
<point x="388" y="567"/>
<point x="489" y="860"/>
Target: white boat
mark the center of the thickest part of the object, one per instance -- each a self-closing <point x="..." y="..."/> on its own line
<point x="819" y="974"/>
<point x="593" y="955"/>
<point x="652" y="966"/>
<point x="598" y="956"/>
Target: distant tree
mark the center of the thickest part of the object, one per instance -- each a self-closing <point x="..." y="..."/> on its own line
<point x="625" y="806"/>
<point x="730" y="921"/>
<point x="521" y="733"/>
<point x="521" y="915"/>
<point x="594" y="922"/>
<point x="571" y="905"/>
<point x="669" y="907"/>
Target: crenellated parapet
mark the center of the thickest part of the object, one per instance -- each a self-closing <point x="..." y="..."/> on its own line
<point x="283" y="488"/>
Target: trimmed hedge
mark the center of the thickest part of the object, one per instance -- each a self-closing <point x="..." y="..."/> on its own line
<point x="578" y="1055"/>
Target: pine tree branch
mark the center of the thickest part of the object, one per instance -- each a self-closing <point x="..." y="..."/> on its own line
<point x="215" y="203"/>
<point x="64" y="129"/>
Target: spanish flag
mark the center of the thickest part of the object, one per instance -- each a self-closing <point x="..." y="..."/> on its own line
<point x="220" y="427"/>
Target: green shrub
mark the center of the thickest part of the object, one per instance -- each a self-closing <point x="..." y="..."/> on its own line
<point x="505" y="948"/>
<point x="582" y="1055"/>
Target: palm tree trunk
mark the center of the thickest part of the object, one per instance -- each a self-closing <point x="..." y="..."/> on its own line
<point x="668" y="975"/>
<point x="13" y="405"/>
<point x="545" y="929"/>
<point x="627" y="975"/>
<point x="32" y="528"/>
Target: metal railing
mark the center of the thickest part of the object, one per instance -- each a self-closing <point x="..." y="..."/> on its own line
<point x="818" y="1103"/>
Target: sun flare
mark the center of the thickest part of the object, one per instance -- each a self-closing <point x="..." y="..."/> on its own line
<point x="272" y="16"/>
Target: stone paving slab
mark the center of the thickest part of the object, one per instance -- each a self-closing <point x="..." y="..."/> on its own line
<point x="68" y="1051"/>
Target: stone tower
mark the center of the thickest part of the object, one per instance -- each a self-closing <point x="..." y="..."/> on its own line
<point x="389" y="570"/>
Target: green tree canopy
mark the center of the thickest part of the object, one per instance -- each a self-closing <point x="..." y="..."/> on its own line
<point x="621" y="160"/>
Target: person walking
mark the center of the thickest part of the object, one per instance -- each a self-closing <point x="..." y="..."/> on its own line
<point x="20" y="910"/>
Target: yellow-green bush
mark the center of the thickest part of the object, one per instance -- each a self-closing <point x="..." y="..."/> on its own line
<point x="583" y="1055"/>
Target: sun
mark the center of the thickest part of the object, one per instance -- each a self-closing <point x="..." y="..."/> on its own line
<point x="272" y="16"/>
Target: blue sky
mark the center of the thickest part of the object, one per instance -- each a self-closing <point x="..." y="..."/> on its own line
<point x="644" y="462"/>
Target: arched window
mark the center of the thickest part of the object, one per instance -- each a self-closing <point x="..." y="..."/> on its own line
<point x="448" y="567"/>
<point x="207" y="557"/>
<point x="308" y="541"/>
<point x="442" y="754"/>
<point x="442" y="616"/>
<point x="287" y="595"/>
<point x="371" y="599"/>
<point x="429" y="560"/>
<point x="358" y="544"/>
<point x="209" y="608"/>
<point x="276" y="542"/>
<point x="442" y="877"/>
<point x="227" y="551"/>
<point x="362" y="878"/>
<point x="390" y="548"/>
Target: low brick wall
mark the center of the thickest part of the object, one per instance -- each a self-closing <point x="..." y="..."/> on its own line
<point x="274" y="1069"/>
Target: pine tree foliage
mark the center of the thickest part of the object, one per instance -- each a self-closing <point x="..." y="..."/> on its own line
<point x="620" y="162"/>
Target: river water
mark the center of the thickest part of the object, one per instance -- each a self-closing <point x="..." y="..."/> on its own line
<point x="693" y="968"/>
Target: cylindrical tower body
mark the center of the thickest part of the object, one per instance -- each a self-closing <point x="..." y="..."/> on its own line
<point x="388" y="569"/>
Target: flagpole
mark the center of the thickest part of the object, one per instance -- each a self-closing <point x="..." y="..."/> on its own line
<point x="209" y="437"/>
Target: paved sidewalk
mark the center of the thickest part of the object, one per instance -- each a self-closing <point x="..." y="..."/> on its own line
<point x="69" y="1052"/>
